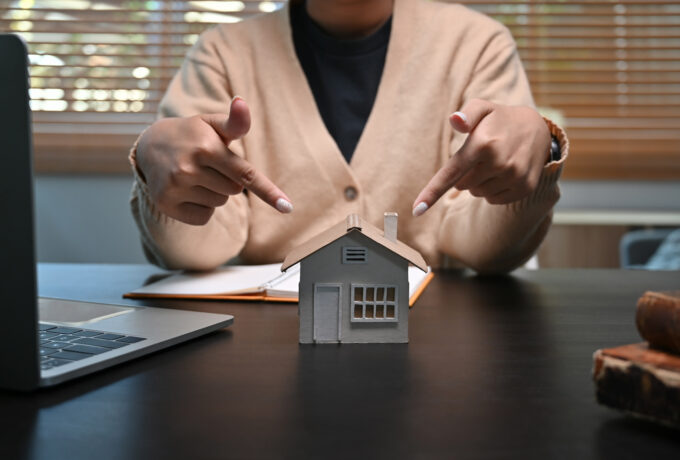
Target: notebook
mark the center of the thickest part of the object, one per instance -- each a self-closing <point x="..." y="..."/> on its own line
<point x="48" y="341"/>
<point x="248" y="282"/>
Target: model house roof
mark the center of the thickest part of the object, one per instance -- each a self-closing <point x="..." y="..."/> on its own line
<point x="353" y="223"/>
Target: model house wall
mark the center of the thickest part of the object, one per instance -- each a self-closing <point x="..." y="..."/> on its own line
<point x="324" y="276"/>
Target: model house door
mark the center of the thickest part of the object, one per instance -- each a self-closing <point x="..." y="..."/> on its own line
<point x="326" y="312"/>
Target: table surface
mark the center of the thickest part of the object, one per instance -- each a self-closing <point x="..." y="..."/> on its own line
<point x="497" y="367"/>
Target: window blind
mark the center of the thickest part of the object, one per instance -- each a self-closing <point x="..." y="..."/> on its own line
<point x="99" y="69"/>
<point x="609" y="71"/>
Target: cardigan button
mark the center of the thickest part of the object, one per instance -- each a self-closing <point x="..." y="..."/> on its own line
<point x="351" y="193"/>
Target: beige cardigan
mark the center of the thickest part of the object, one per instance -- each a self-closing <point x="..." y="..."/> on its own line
<point x="439" y="56"/>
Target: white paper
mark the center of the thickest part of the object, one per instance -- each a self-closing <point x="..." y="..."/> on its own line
<point x="245" y="279"/>
<point x="235" y="279"/>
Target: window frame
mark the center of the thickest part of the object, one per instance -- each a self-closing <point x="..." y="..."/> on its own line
<point x="384" y="303"/>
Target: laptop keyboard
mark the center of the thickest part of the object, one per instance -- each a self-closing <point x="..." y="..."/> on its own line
<point x="62" y="345"/>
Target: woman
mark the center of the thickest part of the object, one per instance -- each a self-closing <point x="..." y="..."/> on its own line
<point x="344" y="107"/>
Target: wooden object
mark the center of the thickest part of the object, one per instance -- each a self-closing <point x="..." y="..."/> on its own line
<point x="658" y="320"/>
<point x="581" y="246"/>
<point x="354" y="283"/>
<point x="644" y="379"/>
<point x="639" y="380"/>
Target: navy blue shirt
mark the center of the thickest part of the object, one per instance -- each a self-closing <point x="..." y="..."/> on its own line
<point x="343" y="75"/>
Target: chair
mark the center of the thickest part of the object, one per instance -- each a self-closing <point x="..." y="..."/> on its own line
<point x="637" y="247"/>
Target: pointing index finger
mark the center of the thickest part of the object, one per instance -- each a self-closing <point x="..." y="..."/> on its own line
<point x="231" y="127"/>
<point x="244" y="174"/>
<point x="447" y="177"/>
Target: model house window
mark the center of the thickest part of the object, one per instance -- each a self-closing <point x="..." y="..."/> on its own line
<point x="354" y="255"/>
<point x="374" y="303"/>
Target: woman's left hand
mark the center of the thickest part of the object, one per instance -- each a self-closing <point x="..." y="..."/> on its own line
<point x="500" y="161"/>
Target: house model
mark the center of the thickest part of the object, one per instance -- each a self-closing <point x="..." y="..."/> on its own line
<point x="354" y="283"/>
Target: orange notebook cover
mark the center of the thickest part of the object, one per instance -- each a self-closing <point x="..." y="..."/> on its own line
<point x="248" y="282"/>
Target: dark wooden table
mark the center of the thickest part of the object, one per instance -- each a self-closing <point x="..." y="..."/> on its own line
<point x="496" y="368"/>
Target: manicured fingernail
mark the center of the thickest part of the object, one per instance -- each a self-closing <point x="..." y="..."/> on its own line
<point x="460" y="115"/>
<point x="235" y="98"/>
<point x="420" y="209"/>
<point x="284" y="206"/>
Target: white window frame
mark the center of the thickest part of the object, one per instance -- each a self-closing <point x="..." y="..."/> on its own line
<point x="375" y="303"/>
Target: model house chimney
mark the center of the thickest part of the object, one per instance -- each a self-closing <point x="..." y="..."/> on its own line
<point x="390" y="226"/>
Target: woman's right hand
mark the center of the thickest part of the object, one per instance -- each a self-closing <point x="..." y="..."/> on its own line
<point x="190" y="170"/>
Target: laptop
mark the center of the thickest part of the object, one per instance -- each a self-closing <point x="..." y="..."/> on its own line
<point x="47" y="341"/>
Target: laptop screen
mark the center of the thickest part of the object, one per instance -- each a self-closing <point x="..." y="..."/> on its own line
<point x="18" y="324"/>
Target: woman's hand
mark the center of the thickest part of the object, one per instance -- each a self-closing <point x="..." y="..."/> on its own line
<point x="190" y="170"/>
<point x="500" y="161"/>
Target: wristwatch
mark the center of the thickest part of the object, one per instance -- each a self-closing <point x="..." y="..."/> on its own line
<point x="555" y="150"/>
